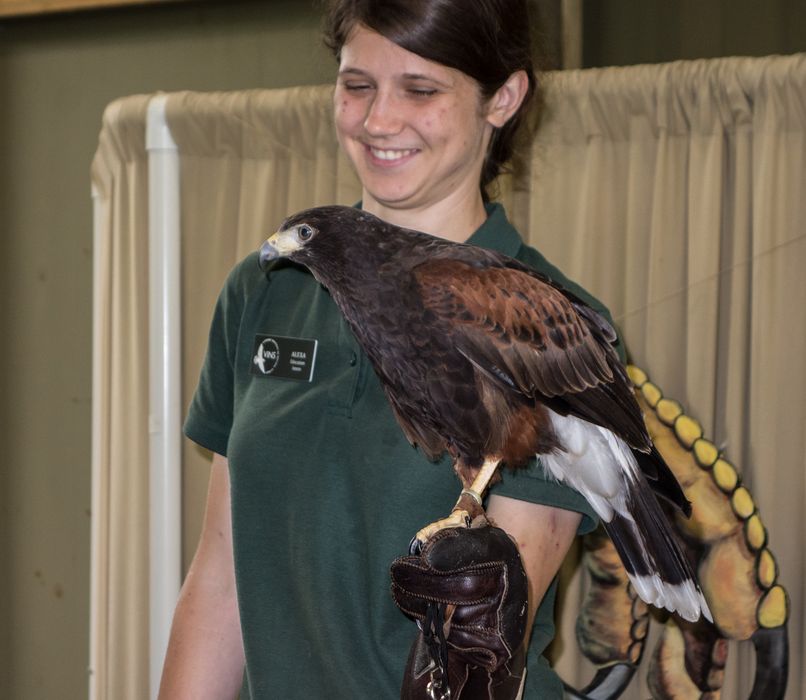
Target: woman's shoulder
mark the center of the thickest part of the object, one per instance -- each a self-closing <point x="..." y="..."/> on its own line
<point x="534" y="259"/>
<point x="245" y="273"/>
<point x="248" y="276"/>
<point x="499" y="234"/>
<point x="537" y="261"/>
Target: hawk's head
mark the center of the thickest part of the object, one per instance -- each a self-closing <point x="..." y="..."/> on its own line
<point x="326" y="236"/>
<point x="292" y="237"/>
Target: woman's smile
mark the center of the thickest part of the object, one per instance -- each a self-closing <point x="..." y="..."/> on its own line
<point x="390" y="156"/>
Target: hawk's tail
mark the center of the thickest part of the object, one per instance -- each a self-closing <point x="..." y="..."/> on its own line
<point x="603" y="468"/>
<point x="652" y="556"/>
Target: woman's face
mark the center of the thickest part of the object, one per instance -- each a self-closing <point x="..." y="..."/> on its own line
<point x="414" y="130"/>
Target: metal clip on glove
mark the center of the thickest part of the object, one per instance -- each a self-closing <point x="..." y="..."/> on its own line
<point x="468" y="592"/>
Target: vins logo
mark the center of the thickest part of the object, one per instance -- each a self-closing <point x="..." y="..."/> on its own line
<point x="267" y="356"/>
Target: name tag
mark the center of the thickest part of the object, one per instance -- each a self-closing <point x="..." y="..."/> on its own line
<point x="285" y="358"/>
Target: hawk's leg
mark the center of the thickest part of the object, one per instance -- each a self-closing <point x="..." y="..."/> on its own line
<point x="467" y="507"/>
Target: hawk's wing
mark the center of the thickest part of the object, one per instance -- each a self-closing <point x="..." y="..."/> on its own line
<point x="528" y="335"/>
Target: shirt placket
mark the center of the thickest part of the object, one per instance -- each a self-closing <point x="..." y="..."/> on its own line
<point x="344" y="393"/>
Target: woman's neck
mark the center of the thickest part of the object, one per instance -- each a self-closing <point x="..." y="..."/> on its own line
<point x="455" y="218"/>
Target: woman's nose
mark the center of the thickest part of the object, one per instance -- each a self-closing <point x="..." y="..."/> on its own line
<point x="383" y="116"/>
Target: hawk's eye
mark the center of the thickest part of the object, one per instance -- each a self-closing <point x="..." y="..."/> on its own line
<point x="304" y="232"/>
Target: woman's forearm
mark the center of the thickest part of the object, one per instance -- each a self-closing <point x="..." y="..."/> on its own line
<point x="205" y="657"/>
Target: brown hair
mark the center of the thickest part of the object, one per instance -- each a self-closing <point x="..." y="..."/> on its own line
<point x="488" y="40"/>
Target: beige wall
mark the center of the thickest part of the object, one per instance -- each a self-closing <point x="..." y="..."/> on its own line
<point x="56" y="76"/>
<point x="626" y="32"/>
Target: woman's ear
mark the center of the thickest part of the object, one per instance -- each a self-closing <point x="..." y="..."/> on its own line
<point x="507" y="99"/>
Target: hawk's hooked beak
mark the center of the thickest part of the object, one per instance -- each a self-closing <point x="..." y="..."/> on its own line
<point x="268" y="252"/>
<point x="279" y="245"/>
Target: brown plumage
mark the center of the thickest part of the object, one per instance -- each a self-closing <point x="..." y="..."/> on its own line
<point x="486" y="358"/>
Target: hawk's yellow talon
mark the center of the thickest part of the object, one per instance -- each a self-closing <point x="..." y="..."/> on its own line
<point x="458" y="518"/>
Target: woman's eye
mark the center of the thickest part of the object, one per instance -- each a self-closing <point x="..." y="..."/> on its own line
<point x="422" y="92"/>
<point x="357" y="87"/>
<point x="304" y="232"/>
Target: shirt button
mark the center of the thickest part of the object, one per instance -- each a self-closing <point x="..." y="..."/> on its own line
<point x="353" y="359"/>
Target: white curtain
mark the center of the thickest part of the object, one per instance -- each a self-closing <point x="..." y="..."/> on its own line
<point x="676" y="194"/>
<point x="672" y="192"/>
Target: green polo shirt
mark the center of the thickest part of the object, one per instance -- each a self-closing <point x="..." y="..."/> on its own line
<point x="326" y="491"/>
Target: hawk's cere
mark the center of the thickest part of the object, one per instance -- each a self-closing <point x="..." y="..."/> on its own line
<point x="483" y="357"/>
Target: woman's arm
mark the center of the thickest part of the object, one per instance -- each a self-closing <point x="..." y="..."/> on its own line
<point x="205" y="658"/>
<point x="543" y="535"/>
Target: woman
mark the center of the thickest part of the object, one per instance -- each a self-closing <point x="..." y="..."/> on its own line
<point x="314" y="489"/>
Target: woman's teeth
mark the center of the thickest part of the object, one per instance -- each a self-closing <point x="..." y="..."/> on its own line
<point x="391" y="154"/>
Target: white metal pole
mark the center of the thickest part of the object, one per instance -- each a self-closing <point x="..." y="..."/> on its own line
<point x="165" y="383"/>
<point x="100" y="243"/>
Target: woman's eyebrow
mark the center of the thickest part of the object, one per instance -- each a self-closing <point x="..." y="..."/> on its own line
<point x="359" y="72"/>
<point x="353" y="71"/>
<point x="428" y="78"/>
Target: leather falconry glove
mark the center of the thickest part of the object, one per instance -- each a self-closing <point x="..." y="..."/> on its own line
<point x="468" y="593"/>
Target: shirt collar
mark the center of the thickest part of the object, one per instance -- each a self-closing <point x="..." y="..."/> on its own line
<point x="497" y="233"/>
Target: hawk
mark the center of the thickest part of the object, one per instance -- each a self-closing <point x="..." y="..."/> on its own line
<point x="493" y="362"/>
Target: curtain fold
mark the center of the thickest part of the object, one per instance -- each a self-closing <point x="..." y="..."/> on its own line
<point x="119" y="663"/>
<point x="672" y="192"/>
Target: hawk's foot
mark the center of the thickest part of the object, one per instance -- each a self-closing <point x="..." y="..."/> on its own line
<point x="457" y="518"/>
